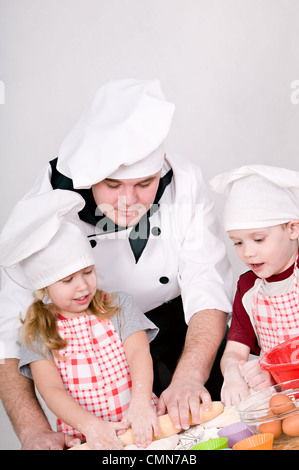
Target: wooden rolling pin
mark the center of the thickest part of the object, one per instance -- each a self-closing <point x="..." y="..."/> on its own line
<point x="166" y="427"/>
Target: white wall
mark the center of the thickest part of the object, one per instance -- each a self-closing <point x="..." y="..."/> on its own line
<point x="227" y="64"/>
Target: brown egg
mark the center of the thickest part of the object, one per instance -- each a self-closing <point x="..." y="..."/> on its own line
<point x="272" y="426"/>
<point x="290" y="425"/>
<point x="281" y="403"/>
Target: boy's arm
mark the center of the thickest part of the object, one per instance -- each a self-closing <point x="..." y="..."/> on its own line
<point x="233" y="354"/>
<point x="234" y="386"/>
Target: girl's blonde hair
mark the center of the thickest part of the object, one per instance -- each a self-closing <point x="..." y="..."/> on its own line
<point x="40" y="320"/>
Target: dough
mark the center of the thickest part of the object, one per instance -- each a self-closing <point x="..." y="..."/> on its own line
<point x="166" y="428"/>
<point x="228" y="416"/>
<point x="168" y="443"/>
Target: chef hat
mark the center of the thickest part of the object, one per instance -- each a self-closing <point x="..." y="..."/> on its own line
<point x="258" y="196"/>
<point x="45" y="236"/>
<point x="120" y="135"/>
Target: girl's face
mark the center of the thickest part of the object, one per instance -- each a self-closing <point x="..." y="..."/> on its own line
<point x="126" y="201"/>
<point x="73" y="294"/>
<point x="269" y="250"/>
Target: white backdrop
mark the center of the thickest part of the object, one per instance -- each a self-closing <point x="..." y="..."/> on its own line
<point x="230" y="66"/>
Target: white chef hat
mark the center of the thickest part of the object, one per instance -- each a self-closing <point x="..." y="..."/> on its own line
<point x="258" y="196"/>
<point x="45" y="236"/>
<point x="120" y="135"/>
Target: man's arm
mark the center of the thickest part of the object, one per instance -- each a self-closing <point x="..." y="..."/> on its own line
<point x="185" y="393"/>
<point x="22" y="406"/>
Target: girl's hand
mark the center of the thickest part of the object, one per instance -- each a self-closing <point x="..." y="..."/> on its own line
<point x="143" y="421"/>
<point x="101" y="435"/>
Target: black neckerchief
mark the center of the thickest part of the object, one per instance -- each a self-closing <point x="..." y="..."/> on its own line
<point x="90" y="213"/>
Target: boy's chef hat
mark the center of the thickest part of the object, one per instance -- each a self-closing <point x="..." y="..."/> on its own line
<point x="258" y="196"/>
<point x="120" y="135"/>
<point x="45" y="235"/>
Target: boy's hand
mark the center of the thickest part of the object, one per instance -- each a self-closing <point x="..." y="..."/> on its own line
<point x="255" y="377"/>
<point x="234" y="388"/>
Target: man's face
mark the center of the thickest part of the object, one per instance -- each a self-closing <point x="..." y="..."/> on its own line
<point x="126" y="201"/>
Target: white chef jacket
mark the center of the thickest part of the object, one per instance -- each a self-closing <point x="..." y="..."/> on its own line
<point x="185" y="255"/>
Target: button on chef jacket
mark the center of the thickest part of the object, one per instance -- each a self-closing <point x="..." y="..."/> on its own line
<point x="184" y="255"/>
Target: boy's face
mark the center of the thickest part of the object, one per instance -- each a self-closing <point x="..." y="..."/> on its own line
<point x="267" y="251"/>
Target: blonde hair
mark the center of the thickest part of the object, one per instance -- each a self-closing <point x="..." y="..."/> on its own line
<point x="40" y="320"/>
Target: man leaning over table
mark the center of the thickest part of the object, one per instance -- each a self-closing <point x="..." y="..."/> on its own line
<point x="150" y="221"/>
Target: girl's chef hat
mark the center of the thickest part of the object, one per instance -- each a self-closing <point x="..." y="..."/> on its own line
<point x="120" y="135"/>
<point x="45" y="235"/>
<point x="258" y="196"/>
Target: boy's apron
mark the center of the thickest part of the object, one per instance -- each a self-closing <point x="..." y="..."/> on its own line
<point x="94" y="368"/>
<point x="276" y="317"/>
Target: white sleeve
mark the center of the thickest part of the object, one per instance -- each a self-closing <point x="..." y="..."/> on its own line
<point x="16" y="294"/>
<point x="205" y="274"/>
<point x="15" y="298"/>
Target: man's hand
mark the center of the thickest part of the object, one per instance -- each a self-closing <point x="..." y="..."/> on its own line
<point x="186" y="392"/>
<point x="48" y="440"/>
<point x="182" y="398"/>
<point x="26" y="415"/>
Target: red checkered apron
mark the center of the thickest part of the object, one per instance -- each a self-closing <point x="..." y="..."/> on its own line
<point x="94" y="368"/>
<point x="276" y="317"/>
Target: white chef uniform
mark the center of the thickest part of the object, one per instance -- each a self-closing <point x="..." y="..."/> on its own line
<point x="184" y="253"/>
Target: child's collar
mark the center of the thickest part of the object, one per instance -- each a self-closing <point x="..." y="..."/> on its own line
<point x="284" y="275"/>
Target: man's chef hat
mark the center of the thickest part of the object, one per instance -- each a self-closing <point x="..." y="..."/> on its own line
<point x="258" y="196"/>
<point x="45" y="236"/>
<point x="120" y="135"/>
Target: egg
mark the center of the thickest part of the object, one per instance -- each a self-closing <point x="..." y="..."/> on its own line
<point x="281" y="403"/>
<point x="271" y="426"/>
<point x="290" y="425"/>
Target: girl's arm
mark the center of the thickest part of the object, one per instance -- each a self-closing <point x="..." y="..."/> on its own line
<point x="234" y="386"/>
<point x="99" y="434"/>
<point x="141" y="415"/>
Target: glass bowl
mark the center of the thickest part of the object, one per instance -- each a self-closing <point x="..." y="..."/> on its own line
<point x="260" y="417"/>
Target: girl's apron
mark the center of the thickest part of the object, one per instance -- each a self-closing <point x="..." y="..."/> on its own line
<point x="276" y="317"/>
<point x="94" y="368"/>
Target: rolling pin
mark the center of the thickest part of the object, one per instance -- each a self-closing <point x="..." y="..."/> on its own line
<point x="166" y="427"/>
